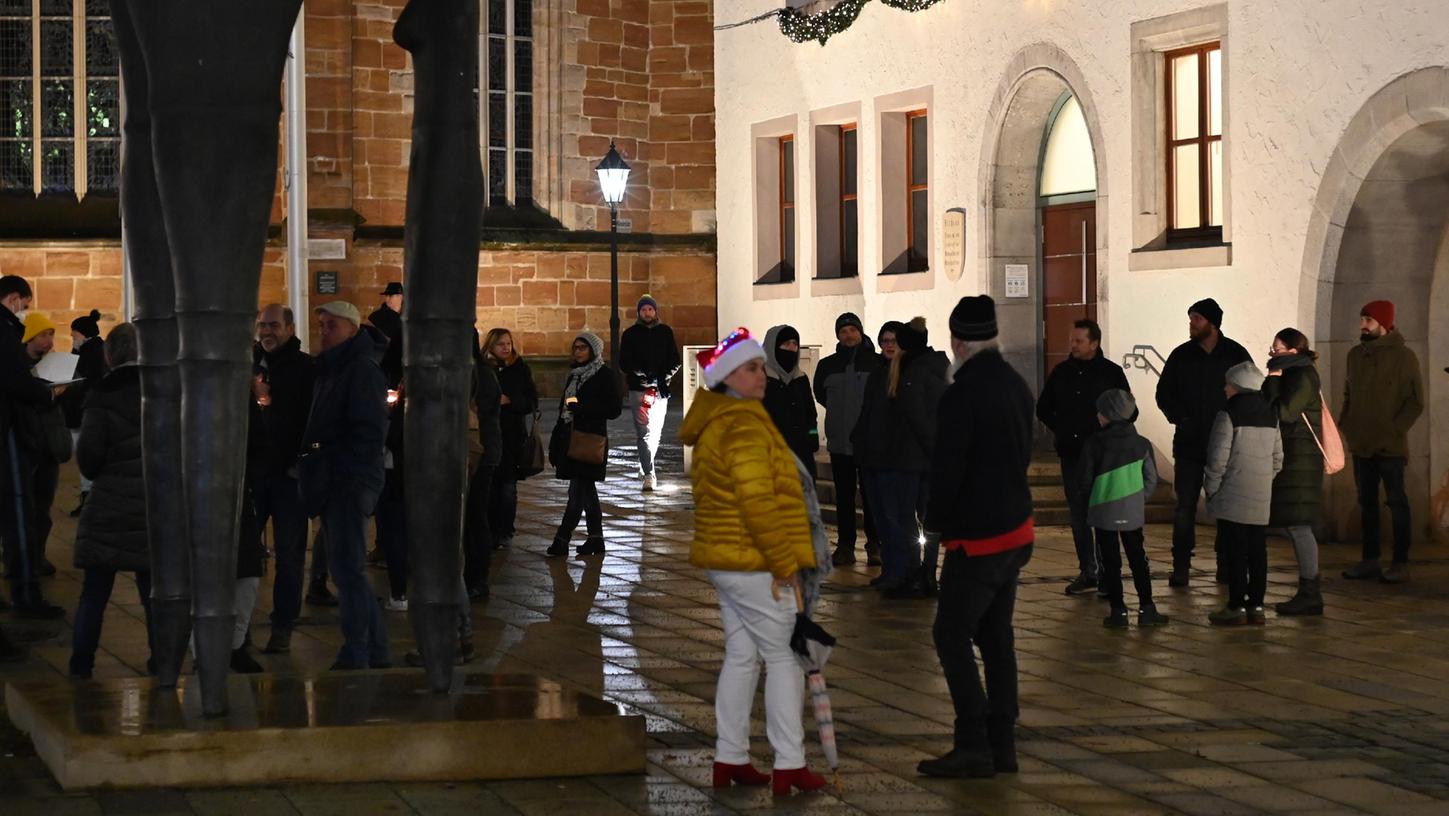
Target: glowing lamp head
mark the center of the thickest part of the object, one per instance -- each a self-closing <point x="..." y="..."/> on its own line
<point x="613" y="176"/>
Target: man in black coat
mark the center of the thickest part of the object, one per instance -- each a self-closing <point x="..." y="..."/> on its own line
<point x="18" y="391"/>
<point x="1190" y="395"/>
<point x="840" y="381"/>
<point x="387" y="318"/>
<point x="282" y="390"/>
<point x="980" y="502"/>
<point x="649" y="359"/>
<point x="340" y="473"/>
<point x="1068" y="406"/>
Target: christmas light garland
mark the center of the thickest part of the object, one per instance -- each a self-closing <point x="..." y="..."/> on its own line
<point x="801" y="27"/>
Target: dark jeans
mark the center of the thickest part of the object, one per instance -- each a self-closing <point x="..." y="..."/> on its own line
<point x="583" y="501"/>
<point x="1245" y="549"/>
<point x="17" y="508"/>
<point x="96" y="589"/>
<point x="503" y="503"/>
<point x="319" y="558"/>
<point x="477" y="538"/>
<point x="45" y="479"/>
<point x="392" y="533"/>
<point x="894" y="495"/>
<point x="978" y="597"/>
<point x="1368" y="472"/>
<point x="846" y="478"/>
<point x="1111" y="574"/>
<point x="344" y="526"/>
<point x="1087" y="557"/>
<point x="276" y="499"/>
<point x="1187" y="475"/>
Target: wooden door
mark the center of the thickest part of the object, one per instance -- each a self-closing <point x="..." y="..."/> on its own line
<point x="1069" y="275"/>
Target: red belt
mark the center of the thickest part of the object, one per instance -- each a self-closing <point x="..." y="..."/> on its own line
<point x="1020" y="537"/>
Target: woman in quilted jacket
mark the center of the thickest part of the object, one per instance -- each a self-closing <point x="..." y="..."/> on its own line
<point x="753" y="537"/>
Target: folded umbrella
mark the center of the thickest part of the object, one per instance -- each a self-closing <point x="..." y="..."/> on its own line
<point x="812" y="646"/>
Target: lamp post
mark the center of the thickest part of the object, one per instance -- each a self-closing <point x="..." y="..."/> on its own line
<point x="613" y="178"/>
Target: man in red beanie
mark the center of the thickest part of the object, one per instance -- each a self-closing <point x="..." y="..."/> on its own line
<point x="1383" y="396"/>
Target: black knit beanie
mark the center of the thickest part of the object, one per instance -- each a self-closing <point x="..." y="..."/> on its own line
<point x="1210" y="311"/>
<point x="913" y="335"/>
<point x="87" y="325"/>
<point x="974" y="318"/>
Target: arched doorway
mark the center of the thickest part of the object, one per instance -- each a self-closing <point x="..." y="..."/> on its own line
<point x="1043" y="206"/>
<point x="1380" y="230"/>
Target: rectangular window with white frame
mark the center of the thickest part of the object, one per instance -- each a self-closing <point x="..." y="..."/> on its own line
<point x="1194" y="143"/>
<point x="506" y="115"/>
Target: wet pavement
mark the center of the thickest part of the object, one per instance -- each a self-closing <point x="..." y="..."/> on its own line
<point x="1347" y="713"/>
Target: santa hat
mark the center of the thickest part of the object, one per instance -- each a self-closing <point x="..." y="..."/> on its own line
<point x="736" y="349"/>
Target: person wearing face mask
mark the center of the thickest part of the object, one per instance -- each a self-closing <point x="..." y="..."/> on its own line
<point x="753" y="538"/>
<point x="591" y="398"/>
<point x="18" y="391"/>
<point x="1383" y="396"/>
<point x="788" y="398"/>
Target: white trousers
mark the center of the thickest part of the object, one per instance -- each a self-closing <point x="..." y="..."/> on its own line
<point x="757" y="627"/>
<point x="648" y="433"/>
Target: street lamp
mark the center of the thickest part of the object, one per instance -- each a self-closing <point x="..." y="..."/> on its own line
<point x="613" y="178"/>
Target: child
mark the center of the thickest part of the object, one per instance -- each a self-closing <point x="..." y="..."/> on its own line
<point x="1245" y="452"/>
<point x="1119" y="470"/>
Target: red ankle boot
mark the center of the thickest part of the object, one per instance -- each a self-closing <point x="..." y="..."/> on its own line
<point x="744" y="774"/>
<point x="800" y="778"/>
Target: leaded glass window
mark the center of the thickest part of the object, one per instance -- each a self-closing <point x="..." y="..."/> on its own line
<point x="60" y="97"/>
<point x="506" y="109"/>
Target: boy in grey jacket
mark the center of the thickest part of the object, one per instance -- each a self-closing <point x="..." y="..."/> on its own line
<point x="1245" y="452"/>
<point x="1117" y="472"/>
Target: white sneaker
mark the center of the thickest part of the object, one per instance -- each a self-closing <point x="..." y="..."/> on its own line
<point x="650" y="482"/>
<point x="398" y="604"/>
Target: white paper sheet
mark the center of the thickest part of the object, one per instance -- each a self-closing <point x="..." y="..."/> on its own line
<point x="57" y="367"/>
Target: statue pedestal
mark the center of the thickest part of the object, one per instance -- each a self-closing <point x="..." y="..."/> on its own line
<point x="367" y="726"/>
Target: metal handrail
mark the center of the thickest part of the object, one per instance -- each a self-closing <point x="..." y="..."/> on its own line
<point x="1138" y="358"/>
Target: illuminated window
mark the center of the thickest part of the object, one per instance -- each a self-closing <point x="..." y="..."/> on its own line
<point x="507" y="110"/>
<point x="1194" y="142"/>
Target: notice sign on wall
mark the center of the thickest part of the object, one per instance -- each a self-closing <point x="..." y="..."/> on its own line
<point x="326" y="283"/>
<point x="954" y="243"/>
<point x="326" y="249"/>
<point x="1016" y="281"/>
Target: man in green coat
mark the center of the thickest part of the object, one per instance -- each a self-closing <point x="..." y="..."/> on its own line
<point x="1383" y="396"/>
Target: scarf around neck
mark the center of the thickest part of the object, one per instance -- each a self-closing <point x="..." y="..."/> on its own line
<point x="577" y="377"/>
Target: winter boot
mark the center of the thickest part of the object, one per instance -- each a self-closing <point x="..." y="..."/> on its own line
<point x="1365" y="570"/>
<point x="1001" y="733"/>
<point x="558" y="549"/>
<point x="843" y="556"/>
<point x="591" y="546"/>
<point x="872" y="554"/>
<point x="1397" y="573"/>
<point x="929" y="587"/>
<point x="280" y="641"/>
<point x="242" y="662"/>
<point x="1308" y="601"/>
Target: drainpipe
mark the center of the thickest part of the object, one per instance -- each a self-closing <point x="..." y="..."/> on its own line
<point x="295" y="178"/>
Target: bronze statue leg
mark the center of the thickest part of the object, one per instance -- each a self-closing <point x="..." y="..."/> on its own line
<point x="444" y="214"/>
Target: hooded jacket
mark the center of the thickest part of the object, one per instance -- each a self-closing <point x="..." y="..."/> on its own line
<point x="790" y="403"/>
<point x="1068" y="402"/>
<point x="749" y="504"/>
<point x="1244" y="453"/>
<point x="1116" y="475"/>
<point x="1383" y="397"/>
<point x="1294" y="398"/>
<point x="289" y="373"/>
<point x="1190" y="393"/>
<point x="649" y="357"/>
<point x="111" y="533"/>
<point x="840" y="386"/>
<point x="342" y="445"/>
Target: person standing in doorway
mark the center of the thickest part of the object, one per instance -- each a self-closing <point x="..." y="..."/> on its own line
<point x="340" y="473"/>
<point x="840" y="386"/>
<point x="981" y="505"/>
<point x="1068" y="407"/>
<point x="1383" y="396"/>
<point x="787" y="394"/>
<point x="1292" y="389"/>
<point x="282" y="376"/>
<point x="649" y="359"/>
<point x="86" y="343"/>
<point x="1245" y="453"/>
<point x="1190" y="395"/>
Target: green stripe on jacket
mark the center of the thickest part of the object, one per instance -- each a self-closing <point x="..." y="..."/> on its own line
<point x="1117" y="484"/>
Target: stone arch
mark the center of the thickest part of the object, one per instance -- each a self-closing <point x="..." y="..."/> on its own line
<point x="1378" y="229"/>
<point x="1016" y="123"/>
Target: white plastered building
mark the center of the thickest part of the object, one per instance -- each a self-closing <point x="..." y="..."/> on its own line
<point x="1102" y="158"/>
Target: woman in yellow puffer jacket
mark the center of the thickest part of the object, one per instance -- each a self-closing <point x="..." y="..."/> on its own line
<point x="753" y="536"/>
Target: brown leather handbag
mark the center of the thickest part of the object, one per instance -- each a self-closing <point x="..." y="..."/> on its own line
<point x="590" y="449"/>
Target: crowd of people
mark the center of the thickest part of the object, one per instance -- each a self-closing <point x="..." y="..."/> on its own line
<point x="937" y="448"/>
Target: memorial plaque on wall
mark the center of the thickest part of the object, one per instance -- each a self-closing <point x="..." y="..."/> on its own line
<point x="326" y="249"/>
<point x="326" y="283"/>
<point x="954" y="243"/>
<point x="1016" y="281"/>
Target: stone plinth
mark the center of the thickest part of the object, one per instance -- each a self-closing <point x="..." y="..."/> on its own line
<point x="337" y="727"/>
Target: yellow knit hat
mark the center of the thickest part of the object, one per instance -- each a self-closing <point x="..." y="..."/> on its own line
<point x="35" y="323"/>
